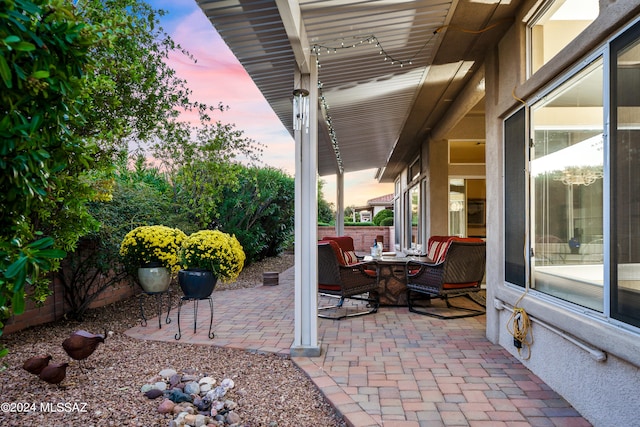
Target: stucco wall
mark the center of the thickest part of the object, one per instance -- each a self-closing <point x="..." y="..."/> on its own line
<point x="55" y="307"/>
<point x="604" y="392"/>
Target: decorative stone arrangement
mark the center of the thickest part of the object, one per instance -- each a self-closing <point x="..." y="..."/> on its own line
<point x="195" y="401"/>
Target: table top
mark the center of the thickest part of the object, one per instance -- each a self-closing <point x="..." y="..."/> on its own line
<point x="400" y="258"/>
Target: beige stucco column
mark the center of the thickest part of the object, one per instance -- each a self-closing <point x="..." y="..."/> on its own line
<point x="437" y="199"/>
<point x="305" y="342"/>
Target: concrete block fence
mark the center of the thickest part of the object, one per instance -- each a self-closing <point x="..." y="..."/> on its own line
<point x="363" y="236"/>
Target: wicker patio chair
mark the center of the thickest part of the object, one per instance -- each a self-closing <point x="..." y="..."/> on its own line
<point x="342" y="281"/>
<point x="459" y="274"/>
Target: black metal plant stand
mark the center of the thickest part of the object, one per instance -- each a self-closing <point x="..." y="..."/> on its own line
<point x="158" y="296"/>
<point x="211" y="335"/>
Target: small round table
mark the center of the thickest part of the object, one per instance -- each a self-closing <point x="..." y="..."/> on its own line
<point x="211" y="335"/>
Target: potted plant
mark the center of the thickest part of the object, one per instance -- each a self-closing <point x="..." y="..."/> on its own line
<point x="153" y="251"/>
<point x="206" y="256"/>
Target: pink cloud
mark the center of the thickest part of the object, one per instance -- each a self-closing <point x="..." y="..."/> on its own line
<point x="218" y="76"/>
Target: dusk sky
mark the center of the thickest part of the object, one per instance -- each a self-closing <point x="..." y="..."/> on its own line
<point x="218" y="77"/>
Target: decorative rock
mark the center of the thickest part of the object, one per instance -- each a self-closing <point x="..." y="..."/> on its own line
<point x="227" y="383"/>
<point x="188" y="408"/>
<point x="175" y="379"/>
<point x="145" y="388"/>
<point x="207" y="380"/>
<point x="189" y="377"/>
<point x="190" y="419"/>
<point x="177" y="396"/>
<point x="232" y="418"/>
<point x="166" y="373"/>
<point x="200" y="420"/>
<point x="154" y="393"/>
<point x="192" y="387"/>
<point x="202" y="403"/>
<point x="179" y="420"/>
<point x="166" y="407"/>
<point x="194" y="401"/>
<point x="217" y="393"/>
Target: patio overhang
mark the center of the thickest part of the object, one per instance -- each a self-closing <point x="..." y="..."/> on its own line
<point x="390" y="73"/>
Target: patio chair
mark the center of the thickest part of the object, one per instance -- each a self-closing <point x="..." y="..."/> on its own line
<point x="459" y="273"/>
<point x="347" y="247"/>
<point x="337" y="279"/>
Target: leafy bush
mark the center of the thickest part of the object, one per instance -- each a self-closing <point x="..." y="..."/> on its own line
<point x="385" y="213"/>
<point x="386" y="222"/>
<point x="260" y="212"/>
<point x="363" y="224"/>
<point x="140" y="196"/>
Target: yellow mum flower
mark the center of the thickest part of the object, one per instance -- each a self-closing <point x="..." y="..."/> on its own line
<point x="213" y="250"/>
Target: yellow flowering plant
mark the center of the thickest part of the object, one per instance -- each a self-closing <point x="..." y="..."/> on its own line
<point x="213" y="250"/>
<point x="152" y="244"/>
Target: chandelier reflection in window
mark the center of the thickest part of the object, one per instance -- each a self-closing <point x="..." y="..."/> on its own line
<point x="579" y="175"/>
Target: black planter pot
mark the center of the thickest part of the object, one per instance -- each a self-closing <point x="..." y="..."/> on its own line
<point x="197" y="284"/>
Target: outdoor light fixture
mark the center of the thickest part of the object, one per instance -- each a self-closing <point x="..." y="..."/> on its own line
<point x="301" y="109"/>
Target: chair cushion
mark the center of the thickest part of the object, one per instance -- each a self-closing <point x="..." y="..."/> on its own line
<point x="344" y="242"/>
<point x="329" y="288"/>
<point x="438" y="245"/>
<point x="337" y="251"/>
<point x="460" y="285"/>
<point x="350" y="257"/>
<point x="437" y="248"/>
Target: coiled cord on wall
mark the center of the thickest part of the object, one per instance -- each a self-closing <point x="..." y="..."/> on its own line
<point x="519" y="326"/>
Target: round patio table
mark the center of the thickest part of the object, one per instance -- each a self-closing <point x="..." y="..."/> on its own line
<point x="392" y="279"/>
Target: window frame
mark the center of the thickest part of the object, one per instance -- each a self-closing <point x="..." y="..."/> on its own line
<point x="598" y="331"/>
<point x="531" y="20"/>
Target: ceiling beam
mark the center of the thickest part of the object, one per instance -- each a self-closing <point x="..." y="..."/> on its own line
<point x="294" y="26"/>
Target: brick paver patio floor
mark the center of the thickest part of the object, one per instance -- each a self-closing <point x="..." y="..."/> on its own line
<point x="391" y="369"/>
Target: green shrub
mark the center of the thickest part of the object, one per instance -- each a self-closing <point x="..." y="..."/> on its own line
<point x="385" y="213"/>
<point x="260" y="212"/>
<point x="386" y="222"/>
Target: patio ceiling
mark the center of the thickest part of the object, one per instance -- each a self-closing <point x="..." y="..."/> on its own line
<point x="389" y="69"/>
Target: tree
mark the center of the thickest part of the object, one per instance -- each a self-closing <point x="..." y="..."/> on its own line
<point x="44" y="54"/>
<point x="325" y="209"/>
<point x="260" y="211"/>
<point x="202" y="170"/>
<point x="79" y="83"/>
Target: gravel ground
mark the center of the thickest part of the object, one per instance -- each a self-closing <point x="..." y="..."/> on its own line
<point x="270" y="390"/>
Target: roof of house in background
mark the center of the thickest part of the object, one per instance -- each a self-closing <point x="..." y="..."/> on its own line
<point x="386" y="200"/>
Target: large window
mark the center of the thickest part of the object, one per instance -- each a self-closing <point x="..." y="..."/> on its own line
<point x="566" y="184"/>
<point x="625" y="162"/>
<point x="580" y="210"/>
<point x="415" y="213"/>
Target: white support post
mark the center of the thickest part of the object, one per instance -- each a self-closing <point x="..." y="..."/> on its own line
<point x="305" y="342"/>
<point x="340" y="204"/>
